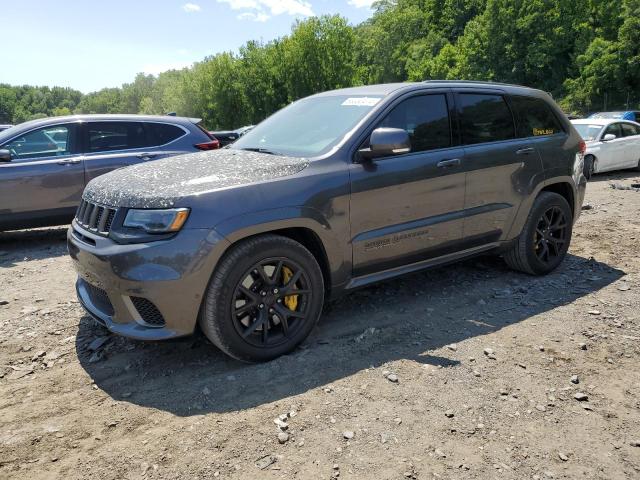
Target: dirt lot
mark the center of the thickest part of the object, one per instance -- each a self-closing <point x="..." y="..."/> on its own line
<point x="483" y="357"/>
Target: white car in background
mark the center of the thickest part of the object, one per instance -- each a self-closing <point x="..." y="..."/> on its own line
<point x="612" y="144"/>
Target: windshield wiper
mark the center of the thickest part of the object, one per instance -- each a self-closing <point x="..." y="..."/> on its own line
<point x="260" y="150"/>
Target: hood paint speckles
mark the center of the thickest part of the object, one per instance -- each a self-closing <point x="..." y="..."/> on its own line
<point x="159" y="184"/>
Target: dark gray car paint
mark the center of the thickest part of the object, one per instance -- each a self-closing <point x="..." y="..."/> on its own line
<point x="46" y="191"/>
<point x="370" y="221"/>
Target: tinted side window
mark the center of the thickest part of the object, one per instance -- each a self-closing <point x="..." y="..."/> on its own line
<point x="535" y="117"/>
<point x="54" y="140"/>
<point x="108" y="136"/>
<point x="425" y="118"/>
<point x="161" y="133"/>
<point x="613" y="129"/>
<point x="485" y="118"/>
<point x="629" y="130"/>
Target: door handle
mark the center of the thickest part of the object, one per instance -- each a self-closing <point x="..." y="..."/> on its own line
<point x="146" y="155"/>
<point x="525" y="151"/>
<point x="448" y="163"/>
<point x="72" y="161"/>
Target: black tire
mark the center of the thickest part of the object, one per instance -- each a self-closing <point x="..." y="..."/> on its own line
<point x="232" y="316"/>
<point x="589" y="166"/>
<point x="528" y="252"/>
<point x="637" y="169"/>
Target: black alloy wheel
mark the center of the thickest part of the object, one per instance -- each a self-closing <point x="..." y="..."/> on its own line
<point x="550" y="235"/>
<point x="271" y="302"/>
<point x="264" y="298"/>
<point x="545" y="236"/>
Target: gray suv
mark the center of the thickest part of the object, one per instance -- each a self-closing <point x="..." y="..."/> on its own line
<point x="334" y="192"/>
<point x="45" y="164"/>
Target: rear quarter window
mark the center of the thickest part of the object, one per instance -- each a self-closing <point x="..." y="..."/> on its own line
<point x="111" y="136"/>
<point x="485" y="118"/>
<point x="535" y="117"/>
<point x="161" y="133"/>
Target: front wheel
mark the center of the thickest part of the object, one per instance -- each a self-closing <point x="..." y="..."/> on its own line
<point x="545" y="238"/>
<point x="264" y="298"/>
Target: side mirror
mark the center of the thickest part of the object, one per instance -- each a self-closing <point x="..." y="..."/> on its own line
<point x="5" y="155"/>
<point x="385" y="142"/>
<point x="608" y="137"/>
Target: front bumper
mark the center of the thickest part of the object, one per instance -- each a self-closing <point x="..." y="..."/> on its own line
<point x="148" y="291"/>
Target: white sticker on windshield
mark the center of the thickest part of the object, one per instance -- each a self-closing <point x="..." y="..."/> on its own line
<point x="361" y="101"/>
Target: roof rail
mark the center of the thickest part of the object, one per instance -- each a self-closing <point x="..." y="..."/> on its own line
<point x="473" y="82"/>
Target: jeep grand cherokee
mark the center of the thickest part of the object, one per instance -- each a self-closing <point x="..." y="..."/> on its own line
<point x="334" y="192"/>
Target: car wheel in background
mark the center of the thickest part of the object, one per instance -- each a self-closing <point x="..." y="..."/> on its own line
<point x="545" y="238"/>
<point x="589" y="166"/>
<point x="263" y="299"/>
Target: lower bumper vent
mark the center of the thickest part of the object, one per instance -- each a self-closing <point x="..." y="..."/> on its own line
<point x="100" y="299"/>
<point x="148" y="311"/>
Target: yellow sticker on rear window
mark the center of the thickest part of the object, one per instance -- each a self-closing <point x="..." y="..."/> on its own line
<point x="543" y="131"/>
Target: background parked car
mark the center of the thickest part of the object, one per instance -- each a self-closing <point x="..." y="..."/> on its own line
<point x="226" y="137"/>
<point x="633" y="115"/>
<point x="5" y="127"/>
<point x="45" y="164"/>
<point x="611" y="144"/>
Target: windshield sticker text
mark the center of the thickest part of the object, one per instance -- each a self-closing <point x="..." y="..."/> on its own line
<point x="361" y="101"/>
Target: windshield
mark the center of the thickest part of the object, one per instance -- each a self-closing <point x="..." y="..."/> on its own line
<point x="309" y="127"/>
<point x="6" y="134"/>
<point x="588" y="132"/>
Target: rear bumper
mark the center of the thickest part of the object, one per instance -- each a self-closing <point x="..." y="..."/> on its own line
<point x="147" y="291"/>
<point x="581" y="188"/>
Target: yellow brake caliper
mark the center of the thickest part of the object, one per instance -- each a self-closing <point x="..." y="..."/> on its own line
<point x="291" y="301"/>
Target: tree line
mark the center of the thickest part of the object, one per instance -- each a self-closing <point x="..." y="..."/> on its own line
<point x="586" y="53"/>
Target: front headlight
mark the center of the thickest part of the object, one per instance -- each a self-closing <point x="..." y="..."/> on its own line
<point x="157" y="221"/>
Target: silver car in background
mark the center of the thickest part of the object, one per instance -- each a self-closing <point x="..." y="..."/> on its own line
<point x="612" y="144"/>
<point x="45" y="164"/>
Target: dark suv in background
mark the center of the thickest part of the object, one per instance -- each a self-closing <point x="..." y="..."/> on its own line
<point x="334" y="192"/>
<point x="45" y="164"/>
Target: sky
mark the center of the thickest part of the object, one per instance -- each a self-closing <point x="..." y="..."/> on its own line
<point x="92" y="44"/>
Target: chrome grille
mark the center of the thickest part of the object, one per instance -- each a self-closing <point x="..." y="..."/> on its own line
<point x="95" y="218"/>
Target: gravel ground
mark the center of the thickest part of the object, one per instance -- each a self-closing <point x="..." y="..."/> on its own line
<point x="466" y="371"/>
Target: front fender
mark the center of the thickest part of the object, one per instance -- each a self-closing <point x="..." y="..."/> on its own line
<point x="243" y="226"/>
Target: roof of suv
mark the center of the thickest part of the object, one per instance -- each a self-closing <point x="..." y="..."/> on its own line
<point x="388" y="88"/>
<point x="107" y="117"/>
<point x="43" y="122"/>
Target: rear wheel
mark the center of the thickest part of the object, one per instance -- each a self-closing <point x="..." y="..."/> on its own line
<point x="264" y="298"/>
<point x="545" y="238"/>
<point x="589" y="166"/>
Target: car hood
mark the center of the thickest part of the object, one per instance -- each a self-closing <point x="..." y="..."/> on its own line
<point x="161" y="183"/>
